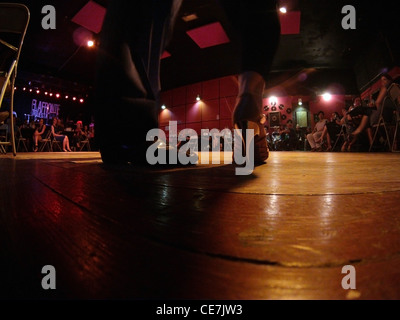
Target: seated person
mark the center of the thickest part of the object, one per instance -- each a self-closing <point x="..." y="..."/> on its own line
<point x="79" y="134"/>
<point x="56" y="133"/>
<point x="316" y="134"/>
<point x="276" y="138"/>
<point x="37" y="135"/>
<point x="370" y="113"/>
<point x="360" y="116"/>
<point x="331" y="130"/>
<point x="347" y="121"/>
<point x="291" y="139"/>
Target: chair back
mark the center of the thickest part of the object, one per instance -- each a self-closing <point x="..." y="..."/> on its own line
<point x="14" y="20"/>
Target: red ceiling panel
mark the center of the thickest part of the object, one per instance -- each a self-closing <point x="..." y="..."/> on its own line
<point x="91" y="16"/>
<point x="209" y="35"/>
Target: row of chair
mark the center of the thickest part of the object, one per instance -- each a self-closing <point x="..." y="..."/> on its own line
<point x="48" y="143"/>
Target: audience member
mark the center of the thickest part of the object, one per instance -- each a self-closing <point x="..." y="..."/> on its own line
<point x="79" y="135"/>
<point x="37" y="135"/>
<point x="317" y="133"/>
<point x="330" y="131"/>
<point x="56" y="133"/>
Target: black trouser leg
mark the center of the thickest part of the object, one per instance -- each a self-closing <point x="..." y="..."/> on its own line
<point x="133" y="38"/>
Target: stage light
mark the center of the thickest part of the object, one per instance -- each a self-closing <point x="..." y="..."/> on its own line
<point x="46" y="93"/>
<point x="51" y="94"/>
<point x="90" y="43"/>
<point x="273" y="100"/>
<point x="163" y="107"/>
<point x="74" y="98"/>
<point x="327" y="96"/>
<point x="57" y="95"/>
<point x="81" y="100"/>
<point x="282" y="10"/>
<point x="300" y="102"/>
<point x="23" y="88"/>
<point x="37" y="91"/>
<point x="198" y="98"/>
<point x="66" y="97"/>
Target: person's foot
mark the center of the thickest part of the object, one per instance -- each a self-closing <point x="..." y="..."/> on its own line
<point x="35" y="149"/>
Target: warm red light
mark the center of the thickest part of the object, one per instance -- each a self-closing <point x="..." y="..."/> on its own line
<point x="81" y="100"/>
<point x="57" y="95"/>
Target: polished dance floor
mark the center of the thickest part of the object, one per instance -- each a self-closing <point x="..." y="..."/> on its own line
<point x="201" y="232"/>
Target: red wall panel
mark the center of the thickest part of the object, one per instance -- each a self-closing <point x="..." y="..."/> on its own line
<point x="226" y="107"/>
<point x="178" y="96"/>
<point x="192" y="91"/>
<point x="210" y="125"/>
<point x="178" y="114"/>
<point x="228" y="86"/>
<point x="210" y="110"/>
<point x="193" y="112"/>
<point x="166" y="98"/>
<point x="164" y="116"/>
<point x="210" y="89"/>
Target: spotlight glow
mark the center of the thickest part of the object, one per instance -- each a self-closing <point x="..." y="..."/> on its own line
<point x="282" y="10"/>
<point x="327" y="96"/>
<point x="273" y="100"/>
<point x="90" y="43"/>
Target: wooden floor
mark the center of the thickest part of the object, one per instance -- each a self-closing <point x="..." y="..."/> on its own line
<point x="201" y="232"/>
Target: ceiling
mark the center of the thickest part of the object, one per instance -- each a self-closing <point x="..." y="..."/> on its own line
<point x="321" y="54"/>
